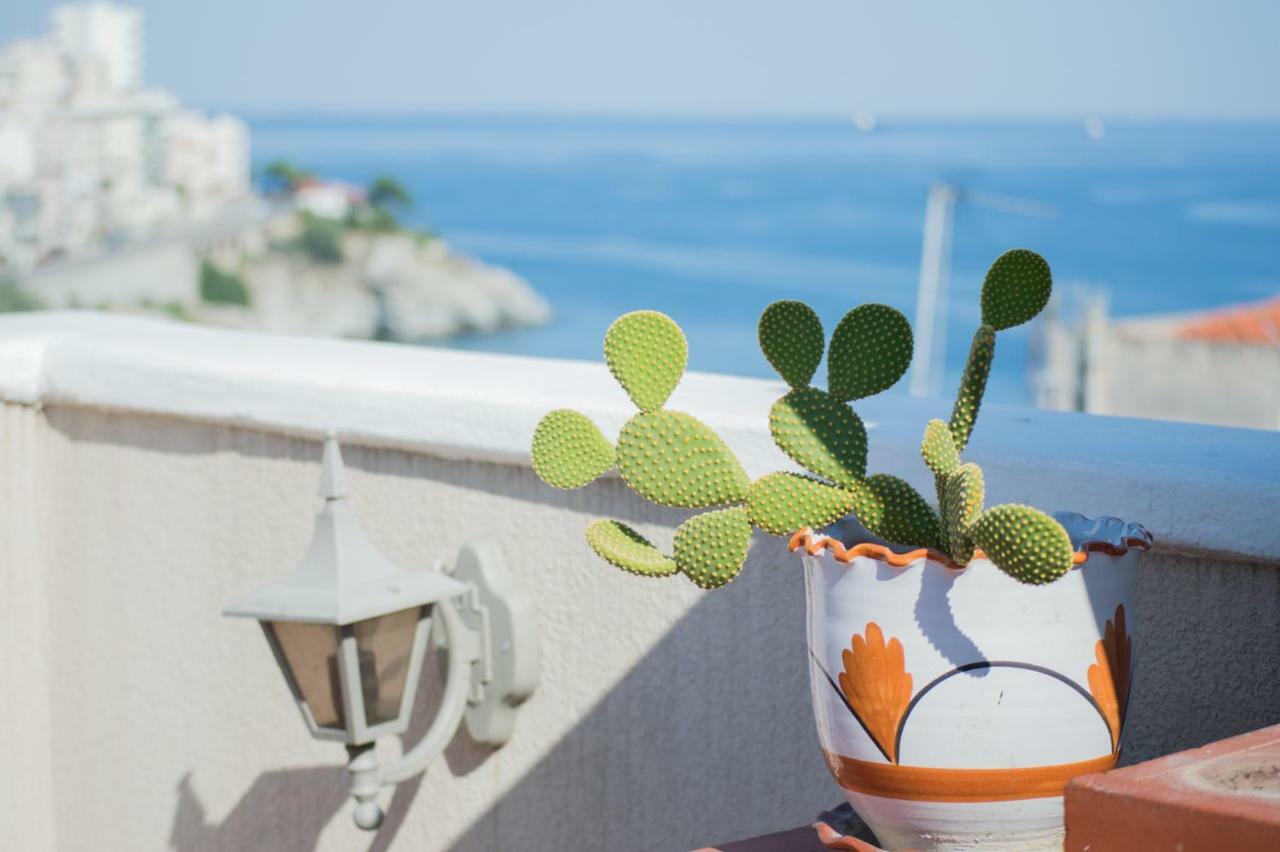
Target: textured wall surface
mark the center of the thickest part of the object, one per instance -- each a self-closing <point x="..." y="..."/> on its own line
<point x="152" y="472"/>
<point x="666" y="718"/>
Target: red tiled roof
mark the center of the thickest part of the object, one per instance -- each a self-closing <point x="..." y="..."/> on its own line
<point x="1256" y="324"/>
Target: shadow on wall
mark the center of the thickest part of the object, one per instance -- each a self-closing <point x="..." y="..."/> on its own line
<point x="665" y="746"/>
<point x="287" y="810"/>
<point x="284" y="811"/>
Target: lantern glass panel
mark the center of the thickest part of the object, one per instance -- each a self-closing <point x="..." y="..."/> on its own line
<point x="385" y="648"/>
<point x="312" y="653"/>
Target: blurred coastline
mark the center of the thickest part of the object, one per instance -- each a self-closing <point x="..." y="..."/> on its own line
<point x="709" y="221"/>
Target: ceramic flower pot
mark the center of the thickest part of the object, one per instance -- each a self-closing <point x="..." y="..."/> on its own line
<point x="954" y="704"/>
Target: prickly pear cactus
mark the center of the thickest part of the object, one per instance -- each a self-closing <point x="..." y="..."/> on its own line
<point x="939" y="449"/>
<point x="962" y="495"/>
<point x="1016" y="288"/>
<point x="973" y="384"/>
<point x="1025" y="543"/>
<point x="710" y="548"/>
<point x="891" y="509"/>
<point x="870" y="350"/>
<point x="569" y="450"/>
<point x="674" y="459"/>
<point x="792" y="339"/>
<point x="646" y="352"/>
<point x="781" y="503"/>
<point x="620" y="545"/>
<point x="821" y="434"/>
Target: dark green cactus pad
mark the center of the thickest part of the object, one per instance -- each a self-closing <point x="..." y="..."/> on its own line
<point x="782" y="503"/>
<point x="962" y="497"/>
<point x="569" y="450"/>
<point x="972" y="385"/>
<point x="1016" y="288"/>
<point x="791" y="338"/>
<point x="891" y="509"/>
<point x="646" y="352"/>
<point x="622" y="546"/>
<point x="938" y="448"/>
<point x="821" y="434"/>
<point x="675" y="459"/>
<point x="710" y="548"/>
<point x="870" y="350"/>
<point x="1025" y="543"/>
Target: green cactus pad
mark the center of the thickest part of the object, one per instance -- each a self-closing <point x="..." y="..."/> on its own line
<point x="569" y="450"/>
<point x="675" y="459"/>
<point x="622" y="546"/>
<point x="962" y="497"/>
<point x="1025" y="543"/>
<point x="781" y="503"/>
<point x="972" y="385"/>
<point x="938" y="448"/>
<point x="646" y="352"/>
<point x="822" y="434"/>
<point x="891" y="509"/>
<point x="710" y="548"/>
<point x="1016" y="288"/>
<point x="870" y="350"/>
<point x="791" y="338"/>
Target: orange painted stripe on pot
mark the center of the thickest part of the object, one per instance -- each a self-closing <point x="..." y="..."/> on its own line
<point x="931" y="784"/>
<point x="815" y="544"/>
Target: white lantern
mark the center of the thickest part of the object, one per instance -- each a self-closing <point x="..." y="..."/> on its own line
<point x="350" y="629"/>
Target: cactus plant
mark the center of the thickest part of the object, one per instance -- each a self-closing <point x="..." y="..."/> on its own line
<point x="673" y="459"/>
<point x="1023" y="542"/>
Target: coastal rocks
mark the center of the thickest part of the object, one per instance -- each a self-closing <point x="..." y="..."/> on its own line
<point x="391" y="286"/>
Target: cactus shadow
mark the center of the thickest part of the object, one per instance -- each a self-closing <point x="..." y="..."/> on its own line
<point x="937" y="620"/>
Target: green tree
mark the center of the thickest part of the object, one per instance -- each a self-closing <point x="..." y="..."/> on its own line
<point x="284" y="176"/>
<point x="221" y="288"/>
<point x="321" y="239"/>
<point x="13" y="298"/>
<point x="389" y="195"/>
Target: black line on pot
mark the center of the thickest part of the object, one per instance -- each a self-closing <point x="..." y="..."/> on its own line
<point x="992" y="664"/>
<point x="845" y="700"/>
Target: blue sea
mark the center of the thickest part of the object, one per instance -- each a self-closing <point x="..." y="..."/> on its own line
<point x="709" y="221"/>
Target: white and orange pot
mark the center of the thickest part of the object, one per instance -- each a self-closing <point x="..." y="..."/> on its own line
<point x="954" y="704"/>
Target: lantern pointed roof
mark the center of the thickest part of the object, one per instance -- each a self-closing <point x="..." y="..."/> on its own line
<point x="343" y="578"/>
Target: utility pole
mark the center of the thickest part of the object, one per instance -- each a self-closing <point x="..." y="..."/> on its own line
<point x="931" y="296"/>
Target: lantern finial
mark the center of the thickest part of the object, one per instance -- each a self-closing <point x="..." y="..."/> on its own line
<point x="333" y="475"/>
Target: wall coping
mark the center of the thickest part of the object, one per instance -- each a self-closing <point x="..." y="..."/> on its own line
<point x="1203" y="490"/>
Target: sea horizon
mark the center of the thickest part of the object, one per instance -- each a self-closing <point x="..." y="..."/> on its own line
<point x="710" y="219"/>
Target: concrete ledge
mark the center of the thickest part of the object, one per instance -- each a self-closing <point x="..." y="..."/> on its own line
<point x="1225" y="795"/>
<point x="1201" y="490"/>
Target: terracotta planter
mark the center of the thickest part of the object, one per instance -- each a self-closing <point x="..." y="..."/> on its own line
<point x="954" y="704"/>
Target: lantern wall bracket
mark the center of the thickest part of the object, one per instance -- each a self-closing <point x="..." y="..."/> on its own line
<point x="323" y="624"/>
<point x="490" y="640"/>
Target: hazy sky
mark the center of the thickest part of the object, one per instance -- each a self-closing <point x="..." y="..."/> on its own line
<point x="905" y="57"/>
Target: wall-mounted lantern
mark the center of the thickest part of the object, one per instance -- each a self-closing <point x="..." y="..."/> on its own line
<point x="350" y="630"/>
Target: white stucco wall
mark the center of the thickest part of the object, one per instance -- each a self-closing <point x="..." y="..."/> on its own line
<point x="150" y="472"/>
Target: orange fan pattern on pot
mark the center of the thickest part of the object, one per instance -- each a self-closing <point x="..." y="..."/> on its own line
<point x="1109" y="676"/>
<point x="876" y="685"/>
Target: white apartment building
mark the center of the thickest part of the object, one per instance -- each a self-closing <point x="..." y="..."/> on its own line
<point x="90" y="158"/>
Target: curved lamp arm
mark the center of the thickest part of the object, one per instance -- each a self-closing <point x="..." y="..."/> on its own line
<point x="367" y="776"/>
<point x="492" y="646"/>
<point x="464" y="649"/>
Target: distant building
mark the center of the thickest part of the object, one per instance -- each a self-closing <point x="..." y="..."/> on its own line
<point x="1220" y="366"/>
<point x="330" y="199"/>
<point x="89" y="157"/>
